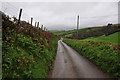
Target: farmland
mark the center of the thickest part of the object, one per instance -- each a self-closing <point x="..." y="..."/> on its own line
<point x="113" y="38"/>
<point x="60" y="33"/>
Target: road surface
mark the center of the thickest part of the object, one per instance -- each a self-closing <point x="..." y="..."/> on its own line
<point x="70" y="64"/>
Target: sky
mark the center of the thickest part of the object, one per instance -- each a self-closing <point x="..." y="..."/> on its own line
<point x="63" y="15"/>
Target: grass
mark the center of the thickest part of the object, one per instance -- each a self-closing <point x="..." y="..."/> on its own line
<point x="71" y="31"/>
<point x="105" y="56"/>
<point x="113" y="38"/>
<point x="68" y="35"/>
<point x="62" y="32"/>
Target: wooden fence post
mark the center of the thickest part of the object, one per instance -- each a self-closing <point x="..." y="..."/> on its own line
<point x="37" y="24"/>
<point x="31" y="21"/>
<point x="41" y="27"/>
<point x="44" y="28"/>
<point x="19" y="16"/>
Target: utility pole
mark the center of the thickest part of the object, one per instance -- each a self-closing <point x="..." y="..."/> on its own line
<point x="31" y="21"/>
<point x="19" y="16"/>
<point x="77" y="25"/>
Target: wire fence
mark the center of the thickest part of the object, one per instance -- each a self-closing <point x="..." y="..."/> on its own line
<point x="13" y="11"/>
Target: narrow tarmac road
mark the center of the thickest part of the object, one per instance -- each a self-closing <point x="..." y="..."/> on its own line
<point x="70" y="64"/>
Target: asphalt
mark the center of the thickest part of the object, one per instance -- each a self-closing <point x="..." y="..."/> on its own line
<point x="71" y="64"/>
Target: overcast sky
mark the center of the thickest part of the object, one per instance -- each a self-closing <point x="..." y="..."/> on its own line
<point x="63" y="15"/>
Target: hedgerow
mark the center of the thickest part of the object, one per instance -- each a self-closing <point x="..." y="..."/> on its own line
<point x="104" y="55"/>
<point x="27" y="51"/>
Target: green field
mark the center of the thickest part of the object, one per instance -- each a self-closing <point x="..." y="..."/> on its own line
<point x="105" y="56"/>
<point x="62" y="32"/>
<point x="71" y="31"/>
<point x="113" y="38"/>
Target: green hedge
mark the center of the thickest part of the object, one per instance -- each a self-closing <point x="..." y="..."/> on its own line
<point x="27" y="51"/>
<point x="25" y="58"/>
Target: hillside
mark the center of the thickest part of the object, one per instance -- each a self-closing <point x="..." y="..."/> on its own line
<point x="63" y="33"/>
<point x="27" y="51"/>
<point x="97" y="32"/>
<point x="58" y="33"/>
<point x="113" y="38"/>
<point x="89" y="32"/>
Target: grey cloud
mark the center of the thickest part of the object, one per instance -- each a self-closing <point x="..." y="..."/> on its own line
<point x="62" y="15"/>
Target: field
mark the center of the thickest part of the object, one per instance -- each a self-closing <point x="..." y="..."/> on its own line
<point x="71" y="31"/>
<point x="62" y="32"/>
<point x="113" y="38"/>
<point x="104" y="55"/>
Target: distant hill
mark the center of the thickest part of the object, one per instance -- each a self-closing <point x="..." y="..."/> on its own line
<point x="89" y="32"/>
<point x="64" y="33"/>
<point x="107" y="30"/>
